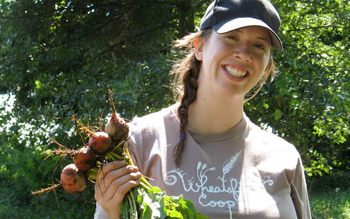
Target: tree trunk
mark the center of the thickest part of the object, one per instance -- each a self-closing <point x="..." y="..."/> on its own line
<point x="186" y="17"/>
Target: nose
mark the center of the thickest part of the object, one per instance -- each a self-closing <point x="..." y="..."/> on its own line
<point x="243" y="53"/>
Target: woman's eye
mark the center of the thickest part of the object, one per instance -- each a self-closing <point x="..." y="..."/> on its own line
<point x="232" y="37"/>
<point x="259" y="46"/>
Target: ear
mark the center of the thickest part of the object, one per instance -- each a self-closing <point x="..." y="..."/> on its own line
<point x="198" y="48"/>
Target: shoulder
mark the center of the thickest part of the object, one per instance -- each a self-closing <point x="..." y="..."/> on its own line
<point x="149" y="134"/>
<point x="270" y="141"/>
<point x="155" y="126"/>
<point x="272" y="152"/>
<point x="154" y="120"/>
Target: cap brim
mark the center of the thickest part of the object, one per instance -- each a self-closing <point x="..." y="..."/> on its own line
<point x="238" y="23"/>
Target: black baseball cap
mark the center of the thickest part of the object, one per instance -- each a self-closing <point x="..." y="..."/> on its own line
<point x="227" y="15"/>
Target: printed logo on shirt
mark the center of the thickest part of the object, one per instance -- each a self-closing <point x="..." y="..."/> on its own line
<point x="224" y="184"/>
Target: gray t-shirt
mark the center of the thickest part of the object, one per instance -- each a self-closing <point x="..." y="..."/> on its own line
<point x="244" y="172"/>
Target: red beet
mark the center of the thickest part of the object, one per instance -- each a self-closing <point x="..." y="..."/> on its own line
<point x="100" y="142"/>
<point x="72" y="179"/>
<point x="84" y="158"/>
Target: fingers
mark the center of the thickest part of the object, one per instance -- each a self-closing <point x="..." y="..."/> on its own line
<point x="120" y="187"/>
<point x="109" y="171"/>
<point x="114" y="180"/>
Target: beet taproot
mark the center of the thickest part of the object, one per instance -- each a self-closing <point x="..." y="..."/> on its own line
<point x="100" y="142"/>
<point x="73" y="180"/>
<point x="84" y="158"/>
<point x="116" y="127"/>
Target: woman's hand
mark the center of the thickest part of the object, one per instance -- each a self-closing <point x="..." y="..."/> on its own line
<point x="113" y="181"/>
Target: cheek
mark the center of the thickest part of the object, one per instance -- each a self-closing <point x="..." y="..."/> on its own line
<point x="265" y="63"/>
<point x="214" y="54"/>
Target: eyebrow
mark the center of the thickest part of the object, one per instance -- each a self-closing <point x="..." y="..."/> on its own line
<point x="261" y="38"/>
<point x="264" y="39"/>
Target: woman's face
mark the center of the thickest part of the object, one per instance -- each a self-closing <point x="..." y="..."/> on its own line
<point x="234" y="62"/>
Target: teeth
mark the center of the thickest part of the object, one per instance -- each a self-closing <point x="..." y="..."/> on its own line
<point x="235" y="72"/>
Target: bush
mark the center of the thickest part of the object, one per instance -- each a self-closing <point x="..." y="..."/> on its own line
<point x="23" y="170"/>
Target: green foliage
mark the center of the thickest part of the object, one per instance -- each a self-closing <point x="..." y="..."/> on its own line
<point x="59" y="58"/>
<point x="23" y="170"/>
<point x="308" y="102"/>
<point x="65" y="53"/>
<point x="156" y="204"/>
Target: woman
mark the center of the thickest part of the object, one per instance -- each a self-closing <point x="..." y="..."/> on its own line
<point x="205" y="147"/>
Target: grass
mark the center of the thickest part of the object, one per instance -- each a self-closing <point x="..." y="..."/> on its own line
<point x="330" y="196"/>
<point x="331" y="204"/>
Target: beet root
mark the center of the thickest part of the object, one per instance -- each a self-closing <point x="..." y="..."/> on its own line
<point x="117" y="128"/>
<point x="84" y="158"/>
<point x="100" y="142"/>
<point x="72" y="179"/>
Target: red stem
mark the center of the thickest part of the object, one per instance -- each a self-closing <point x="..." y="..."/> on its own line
<point x="65" y="148"/>
<point x="114" y="115"/>
<point x="76" y="126"/>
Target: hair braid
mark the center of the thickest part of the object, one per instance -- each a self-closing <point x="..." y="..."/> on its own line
<point x="186" y="85"/>
<point x="190" y="83"/>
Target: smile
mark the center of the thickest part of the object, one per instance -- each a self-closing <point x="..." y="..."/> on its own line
<point x="235" y="72"/>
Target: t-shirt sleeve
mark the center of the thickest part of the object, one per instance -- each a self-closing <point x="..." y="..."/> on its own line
<point x="100" y="213"/>
<point x="299" y="193"/>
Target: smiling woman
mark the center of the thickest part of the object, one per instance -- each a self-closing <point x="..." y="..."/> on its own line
<point x="233" y="63"/>
<point x="204" y="146"/>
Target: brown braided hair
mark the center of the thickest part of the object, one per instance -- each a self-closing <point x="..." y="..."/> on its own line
<point x="186" y="83"/>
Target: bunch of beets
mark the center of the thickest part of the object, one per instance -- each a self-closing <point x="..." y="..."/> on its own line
<point x="144" y="201"/>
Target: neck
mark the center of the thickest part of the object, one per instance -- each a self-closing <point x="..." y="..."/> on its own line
<point x="209" y="115"/>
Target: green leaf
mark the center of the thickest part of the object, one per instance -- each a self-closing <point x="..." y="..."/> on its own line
<point x="278" y="114"/>
<point x="154" y="203"/>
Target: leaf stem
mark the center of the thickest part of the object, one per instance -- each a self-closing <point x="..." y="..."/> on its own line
<point x="142" y="179"/>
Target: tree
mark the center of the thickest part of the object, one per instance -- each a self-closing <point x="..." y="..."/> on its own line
<point x="308" y="103"/>
<point x="57" y="55"/>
